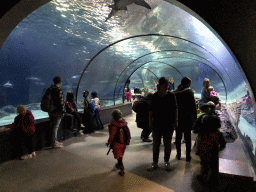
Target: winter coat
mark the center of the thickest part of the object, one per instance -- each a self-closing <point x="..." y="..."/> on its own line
<point x="141" y="108"/>
<point x="57" y="97"/>
<point x="187" y="110"/>
<point x="118" y="148"/>
<point x="70" y="107"/>
<point x="128" y="95"/>
<point x="205" y="96"/>
<point x="25" y="121"/>
<point x="209" y="137"/>
<point x="164" y="111"/>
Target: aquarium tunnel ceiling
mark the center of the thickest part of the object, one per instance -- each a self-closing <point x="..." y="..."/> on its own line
<point x="93" y="46"/>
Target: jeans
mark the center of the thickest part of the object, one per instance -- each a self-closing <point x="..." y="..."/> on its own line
<point x="167" y="138"/>
<point x="55" y="120"/>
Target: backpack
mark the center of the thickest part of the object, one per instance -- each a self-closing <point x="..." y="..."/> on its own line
<point x="47" y="102"/>
<point x="123" y="135"/>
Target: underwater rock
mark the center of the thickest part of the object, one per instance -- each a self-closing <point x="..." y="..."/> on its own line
<point x="227" y="128"/>
<point x="248" y="115"/>
<point x="9" y="109"/>
<point x="33" y="106"/>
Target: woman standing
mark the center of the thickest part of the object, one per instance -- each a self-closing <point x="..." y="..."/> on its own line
<point x="96" y="100"/>
<point x="89" y="119"/>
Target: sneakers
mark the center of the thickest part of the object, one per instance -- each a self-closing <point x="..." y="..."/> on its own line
<point x="33" y="154"/>
<point x="81" y="133"/>
<point x="153" y="167"/>
<point x="167" y="166"/>
<point x="25" y="157"/>
<point x="146" y="140"/>
<point x="188" y="158"/>
<point x="57" y="146"/>
<point x="121" y="173"/>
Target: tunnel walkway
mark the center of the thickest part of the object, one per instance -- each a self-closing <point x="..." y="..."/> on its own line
<point x="82" y="165"/>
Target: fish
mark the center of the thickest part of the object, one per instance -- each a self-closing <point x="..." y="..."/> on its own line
<point x="33" y="78"/>
<point x="39" y="83"/>
<point x="8" y="85"/>
<point x="75" y="76"/>
<point x="122" y="5"/>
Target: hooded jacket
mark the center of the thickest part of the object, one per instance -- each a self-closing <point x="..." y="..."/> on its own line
<point x="187" y="112"/>
<point x="25" y="121"/>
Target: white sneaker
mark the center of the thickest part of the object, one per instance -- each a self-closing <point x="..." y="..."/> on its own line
<point x="33" y="154"/>
<point x="81" y="132"/>
<point x="57" y="146"/>
<point x="25" y="157"/>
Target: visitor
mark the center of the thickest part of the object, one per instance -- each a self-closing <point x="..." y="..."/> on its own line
<point x="187" y="113"/>
<point x="119" y="137"/>
<point x="141" y="108"/>
<point x="96" y="101"/>
<point x="163" y="119"/>
<point x="57" y="114"/>
<point x="71" y="108"/>
<point x="128" y="95"/>
<point x="89" y="118"/>
<point x="171" y="86"/>
<point x="24" y="131"/>
<point x="205" y="94"/>
<point x="210" y="140"/>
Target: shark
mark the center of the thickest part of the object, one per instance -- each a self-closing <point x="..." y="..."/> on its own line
<point x="33" y="78"/>
<point x="8" y="85"/>
<point x="122" y="5"/>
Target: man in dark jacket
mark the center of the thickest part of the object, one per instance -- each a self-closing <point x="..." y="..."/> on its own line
<point x="187" y="113"/>
<point x="163" y="120"/>
<point x="141" y="108"/>
<point x="57" y="114"/>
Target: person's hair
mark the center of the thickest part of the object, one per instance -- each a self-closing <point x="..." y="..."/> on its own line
<point x="185" y="81"/>
<point x="94" y="94"/>
<point x="21" y="108"/>
<point x="85" y="93"/>
<point x="210" y="88"/>
<point x="163" y="81"/>
<point x="150" y="95"/>
<point x="128" y="89"/>
<point x="209" y="105"/>
<point x="206" y="83"/>
<point x="70" y="96"/>
<point x="57" y="80"/>
<point x="116" y="114"/>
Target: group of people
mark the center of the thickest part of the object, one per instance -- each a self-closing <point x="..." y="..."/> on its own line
<point x="161" y="113"/>
<point x="164" y="112"/>
<point x="171" y="86"/>
<point x="53" y="103"/>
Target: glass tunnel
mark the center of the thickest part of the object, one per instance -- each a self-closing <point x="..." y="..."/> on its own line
<point x="94" y="49"/>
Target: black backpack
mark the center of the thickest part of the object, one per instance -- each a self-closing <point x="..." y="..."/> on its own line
<point x="123" y="135"/>
<point x="47" y="101"/>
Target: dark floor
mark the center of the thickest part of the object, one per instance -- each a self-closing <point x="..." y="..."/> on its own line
<point x="82" y="165"/>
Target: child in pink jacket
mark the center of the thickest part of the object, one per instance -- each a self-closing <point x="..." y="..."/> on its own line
<point x="128" y="95"/>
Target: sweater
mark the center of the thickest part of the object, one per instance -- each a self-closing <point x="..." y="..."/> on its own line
<point x="25" y="121"/>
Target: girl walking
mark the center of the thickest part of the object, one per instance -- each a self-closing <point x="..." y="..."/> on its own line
<point x="119" y="137"/>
